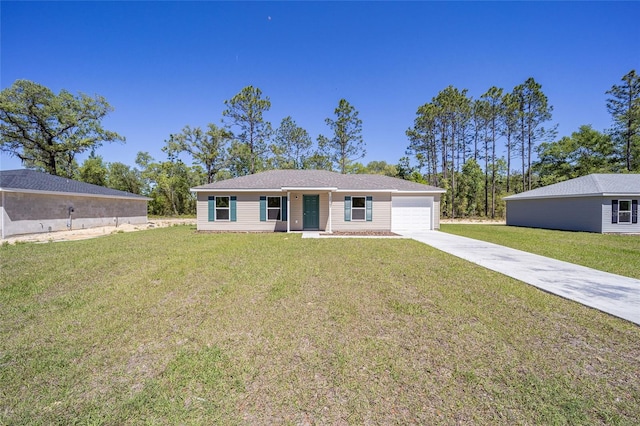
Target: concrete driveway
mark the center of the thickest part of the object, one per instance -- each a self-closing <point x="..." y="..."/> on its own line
<point x="610" y="293"/>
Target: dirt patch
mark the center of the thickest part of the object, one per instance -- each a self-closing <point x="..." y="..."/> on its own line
<point x="83" y="234"/>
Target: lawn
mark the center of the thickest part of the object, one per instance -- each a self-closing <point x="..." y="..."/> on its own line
<point x="618" y="254"/>
<point x="167" y="326"/>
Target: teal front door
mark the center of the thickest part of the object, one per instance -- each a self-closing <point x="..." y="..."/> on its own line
<point x="310" y="212"/>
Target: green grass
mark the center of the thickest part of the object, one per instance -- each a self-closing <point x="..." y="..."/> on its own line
<point x="618" y="254"/>
<point x="168" y="326"/>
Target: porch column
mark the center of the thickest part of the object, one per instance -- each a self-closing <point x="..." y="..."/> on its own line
<point x="288" y="211"/>
<point x="330" y="206"/>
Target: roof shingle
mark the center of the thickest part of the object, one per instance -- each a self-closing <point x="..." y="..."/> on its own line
<point x="31" y="180"/>
<point x="278" y="179"/>
<point x="590" y="185"/>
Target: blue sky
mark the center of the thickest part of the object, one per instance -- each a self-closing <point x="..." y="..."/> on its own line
<point x="163" y="65"/>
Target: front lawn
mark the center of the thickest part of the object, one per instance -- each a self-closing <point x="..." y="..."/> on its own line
<point x="618" y="254"/>
<point x="172" y="327"/>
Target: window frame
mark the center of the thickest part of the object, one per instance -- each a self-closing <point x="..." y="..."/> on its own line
<point x="628" y="212"/>
<point x="216" y="208"/>
<point x="279" y="208"/>
<point x="363" y="208"/>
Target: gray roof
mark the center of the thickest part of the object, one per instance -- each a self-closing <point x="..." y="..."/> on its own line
<point x="24" y="180"/>
<point x="317" y="179"/>
<point x="587" y="186"/>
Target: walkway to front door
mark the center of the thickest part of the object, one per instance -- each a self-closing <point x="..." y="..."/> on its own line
<point x="310" y="211"/>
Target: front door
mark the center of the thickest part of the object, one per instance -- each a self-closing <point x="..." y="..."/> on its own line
<point x="310" y="212"/>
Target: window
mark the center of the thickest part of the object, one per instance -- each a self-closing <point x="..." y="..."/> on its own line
<point x="273" y="208"/>
<point x="222" y="208"/>
<point x="624" y="211"/>
<point x="358" y="208"/>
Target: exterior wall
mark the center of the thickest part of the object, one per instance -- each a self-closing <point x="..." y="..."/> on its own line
<point x="247" y="213"/>
<point x="617" y="228"/>
<point x="24" y="213"/>
<point x="569" y="214"/>
<point x="380" y="214"/>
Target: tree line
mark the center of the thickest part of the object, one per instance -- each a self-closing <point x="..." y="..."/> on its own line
<point x="479" y="150"/>
<point x="455" y="140"/>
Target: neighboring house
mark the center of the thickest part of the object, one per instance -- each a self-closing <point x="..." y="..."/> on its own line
<point x="604" y="203"/>
<point x="33" y="202"/>
<point x="296" y="200"/>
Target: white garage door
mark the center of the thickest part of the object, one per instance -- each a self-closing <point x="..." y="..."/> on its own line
<point x="411" y="213"/>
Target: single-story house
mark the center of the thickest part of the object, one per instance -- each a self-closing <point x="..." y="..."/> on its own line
<point x="33" y="202"/>
<point x="603" y="203"/>
<point x="297" y="200"/>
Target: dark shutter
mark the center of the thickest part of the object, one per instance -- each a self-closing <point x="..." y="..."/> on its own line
<point x="232" y="208"/>
<point x="347" y="208"/>
<point x="212" y="208"/>
<point x="263" y="208"/>
<point x="634" y="211"/>
<point x="283" y="208"/>
<point x="614" y="211"/>
<point x="369" y="208"/>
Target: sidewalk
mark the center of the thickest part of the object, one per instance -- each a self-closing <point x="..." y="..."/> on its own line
<point x="610" y="293"/>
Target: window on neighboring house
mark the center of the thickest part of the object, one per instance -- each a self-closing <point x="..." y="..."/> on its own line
<point x="222" y="208"/>
<point x="624" y="211"/>
<point x="358" y="208"/>
<point x="273" y="208"/>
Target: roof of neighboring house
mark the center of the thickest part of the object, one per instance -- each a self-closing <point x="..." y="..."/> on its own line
<point x="24" y="180"/>
<point x="586" y="186"/>
<point x="282" y="180"/>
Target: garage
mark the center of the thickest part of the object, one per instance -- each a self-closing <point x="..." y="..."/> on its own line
<point x="411" y="213"/>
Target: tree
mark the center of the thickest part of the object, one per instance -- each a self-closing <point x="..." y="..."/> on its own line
<point x="533" y="111"/>
<point x="292" y="145"/>
<point x="494" y="110"/>
<point x="124" y="178"/>
<point x="470" y="186"/>
<point x="346" y="145"/>
<point x="381" y="168"/>
<point x="93" y="170"/>
<point x="208" y="148"/>
<point x="509" y="128"/>
<point x="586" y="151"/>
<point x="46" y="131"/>
<point x="624" y="107"/>
<point x="245" y="112"/>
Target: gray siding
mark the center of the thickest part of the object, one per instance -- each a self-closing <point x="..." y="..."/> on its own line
<point x="617" y="228"/>
<point x="25" y="213"/>
<point x="569" y="214"/>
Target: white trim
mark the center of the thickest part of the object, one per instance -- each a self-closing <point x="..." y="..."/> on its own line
<point x="2" y="210"/>
<point x="330" y="212"/>
<point x="630" y="211"/>
<point x="288" y="212"/>
<point x="322" y="188"/>
<point x="215" y="208"/>
<point x="273" y="208"/>
<point x="364" y="209"/>
<point x="542" y="197"/>
<point x="74" y="194"/>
